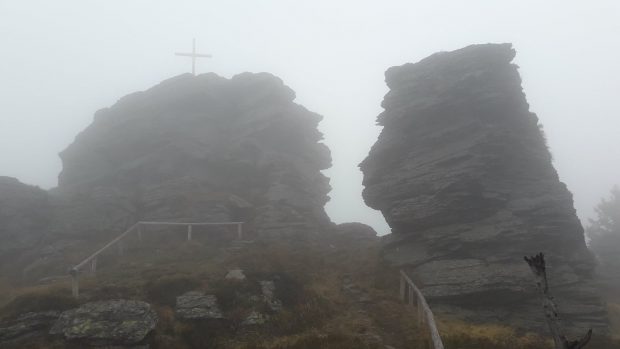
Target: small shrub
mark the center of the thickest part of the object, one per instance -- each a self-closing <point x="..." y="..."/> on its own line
<point x="38" y="301"/>
<point x="311" y="313"/>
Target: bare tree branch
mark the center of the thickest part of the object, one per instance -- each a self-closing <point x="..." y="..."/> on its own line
<point x="539" y="269"/>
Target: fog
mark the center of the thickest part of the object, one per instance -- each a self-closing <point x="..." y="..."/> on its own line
<point x="63" y="60"/>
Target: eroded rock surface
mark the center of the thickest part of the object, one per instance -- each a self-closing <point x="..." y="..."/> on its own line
<point x="118" y="322"/>
<point x="463" y="176"/>
<point x="268" y="289"/>
<point x="25" y="214"/>
<point x="27" y="326"/>
<point x="235" y="274"/>
<point x="197" y="148"/>
<point x="197" y="305"/>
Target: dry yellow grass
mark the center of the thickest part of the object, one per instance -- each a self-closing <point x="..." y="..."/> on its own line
<point x="614" y="317"/>
<point x="319" y="315"/>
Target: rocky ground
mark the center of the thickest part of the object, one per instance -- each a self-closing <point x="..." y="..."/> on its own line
<point x="208" y="293"/>
<point x="299" y="293"/>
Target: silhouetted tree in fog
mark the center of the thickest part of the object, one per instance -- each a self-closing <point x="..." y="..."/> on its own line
<point x="604" y="232"/>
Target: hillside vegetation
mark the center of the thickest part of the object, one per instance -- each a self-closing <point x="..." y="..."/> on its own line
<point x="335" y="293"/>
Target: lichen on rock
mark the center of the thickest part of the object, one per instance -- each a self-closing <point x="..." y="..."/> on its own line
<point x="107" y="322"/>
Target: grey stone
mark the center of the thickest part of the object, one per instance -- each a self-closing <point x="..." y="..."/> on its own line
<point x="200" y="148"/>
<point x="462" y="173"/>
<point x="255" y="318"/>
<point x="268" y="289"/>
<point x="27" y="325"/>
<point x="25" y="213"/>
<point x="235" y="274"/>
<point x="197" y="305"/>
<point x="107" y="322"/>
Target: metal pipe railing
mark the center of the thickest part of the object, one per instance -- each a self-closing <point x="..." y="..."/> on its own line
<point x="425" y="315"/>
<point x="75" y="270"/>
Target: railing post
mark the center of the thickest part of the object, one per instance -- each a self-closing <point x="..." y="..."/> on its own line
<point x="75" y="284"/>
<point x="121" y="248"/>
<point x="403" y="288"/>
<point x="411" y="295"/>
<point x="139" y="227"/>
<point x="239" y="231"/>
<point x="189" y="232"/>
<point x="93" y="265"/>
<point x="420" y="311"/>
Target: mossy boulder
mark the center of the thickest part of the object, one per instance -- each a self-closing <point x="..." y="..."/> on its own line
<point x="107" y="322"/>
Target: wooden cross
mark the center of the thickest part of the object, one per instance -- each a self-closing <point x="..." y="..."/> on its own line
<point x="194" y="55"/>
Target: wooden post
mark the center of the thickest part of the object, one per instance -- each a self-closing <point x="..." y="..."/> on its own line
<point x="403" y="288"/>
<point x="189" y="232"/>
<point x="410" y="295"/>
<point x="93" y="265"/>
<point x="75" y="285"/>
<point x="121" y="248"/>
<point x="239" y="231"/>
<point x="420" y="311"/>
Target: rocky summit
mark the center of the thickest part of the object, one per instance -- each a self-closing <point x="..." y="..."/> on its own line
<point x="198" y="148"/>
<point x="462" y="174"/>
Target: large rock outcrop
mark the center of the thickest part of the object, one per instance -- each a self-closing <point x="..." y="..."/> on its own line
<point x="197" y="148"/>
<point x="25" y="214"/>
<point x="463" y="176"/>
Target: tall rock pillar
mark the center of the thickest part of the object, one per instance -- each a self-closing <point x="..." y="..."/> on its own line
<point x="463" y="176"/>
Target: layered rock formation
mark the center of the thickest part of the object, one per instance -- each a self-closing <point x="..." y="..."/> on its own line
<point x="463" y="176"/>
<point x="25" y="214"/>
<point x="197" y="148"/>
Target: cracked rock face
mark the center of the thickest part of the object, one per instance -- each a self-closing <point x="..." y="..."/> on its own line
<point x="186" y="147"/>
<point x="107" y="322"/>
<point x="197" y="305"/>
<point x="463" y="176"/>
<point x="26" y="326"/>
<point x="25" y="213"/>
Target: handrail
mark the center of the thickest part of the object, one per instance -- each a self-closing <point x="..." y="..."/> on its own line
<point x="75" y="270"/>
<point x="425" y="314"/>
<point x="109" y="244"/>
<point x="181" y="223"/>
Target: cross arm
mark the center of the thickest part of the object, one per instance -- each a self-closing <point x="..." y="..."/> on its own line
<point x="192" y="55"/>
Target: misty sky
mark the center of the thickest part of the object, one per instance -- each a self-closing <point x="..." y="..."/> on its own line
<point x="62" y="60"/>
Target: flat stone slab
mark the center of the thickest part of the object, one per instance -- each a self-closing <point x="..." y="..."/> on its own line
<point x="107" y="322"/>
<point x="235" y="274"/>
<point x="197" y="305"/>
<point x="268" y="289"/>
<point x="255" y="318"/>
<point x="27" y="325"/>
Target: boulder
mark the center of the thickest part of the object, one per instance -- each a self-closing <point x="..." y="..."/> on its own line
<point x="356" y="231"/>
<point x="25" y="214"/>
<point x="196" y="305"/>
<point x="268" y="289"/>
<point x="236" y="275"/>
<point x="462" y="174"/>
<point x="255" y="318"/>
<point x="27" y="326"/>
<point x="114" y="322"/>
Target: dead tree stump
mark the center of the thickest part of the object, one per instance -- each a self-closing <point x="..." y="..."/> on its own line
<point x="537" y="265"/>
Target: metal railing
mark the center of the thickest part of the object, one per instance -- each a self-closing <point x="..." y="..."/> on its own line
<point x="137" y="228"/>
<point x="408" y="290"/>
